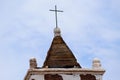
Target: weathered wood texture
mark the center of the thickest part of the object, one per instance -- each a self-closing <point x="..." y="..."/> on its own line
<point x="60" y="56"/>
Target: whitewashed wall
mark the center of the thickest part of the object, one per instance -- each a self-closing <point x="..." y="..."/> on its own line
<point x="70" y="77"/>
<point x="37" y="77"/>
<point x="64" y="76"/>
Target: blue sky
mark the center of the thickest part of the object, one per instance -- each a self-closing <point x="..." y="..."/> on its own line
<point x="91" y="28"/>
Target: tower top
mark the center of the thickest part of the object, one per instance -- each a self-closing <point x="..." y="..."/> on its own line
<point x="60" y="56"/>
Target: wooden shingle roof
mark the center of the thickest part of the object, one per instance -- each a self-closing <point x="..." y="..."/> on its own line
<point x="59" y="55"/>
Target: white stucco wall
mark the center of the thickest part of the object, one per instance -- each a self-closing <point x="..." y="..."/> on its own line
<point x="37" y="77"/>
<point x="70" y="77"/>
<point x="64" y="76"/>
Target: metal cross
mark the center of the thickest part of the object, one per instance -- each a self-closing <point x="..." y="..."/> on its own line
<point x="56" y="14"/>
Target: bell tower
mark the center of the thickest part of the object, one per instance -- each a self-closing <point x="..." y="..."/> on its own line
<point x="61" y="64"/>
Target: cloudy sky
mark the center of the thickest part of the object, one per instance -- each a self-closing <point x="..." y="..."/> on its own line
<point x="91" y="28"/>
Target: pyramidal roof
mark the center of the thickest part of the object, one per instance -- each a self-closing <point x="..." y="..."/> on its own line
<point x="59" y="55"/>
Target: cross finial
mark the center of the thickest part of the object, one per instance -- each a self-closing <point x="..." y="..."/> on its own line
<point x="56" y="14"/>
